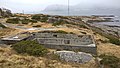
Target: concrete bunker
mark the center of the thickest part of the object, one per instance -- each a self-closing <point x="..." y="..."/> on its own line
<point x="62" y="41"/>
<point x="16" y="38"/>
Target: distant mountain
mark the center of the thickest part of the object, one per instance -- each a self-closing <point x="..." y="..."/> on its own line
<point x="56" y="8"/>
<point x="81" y="10"/>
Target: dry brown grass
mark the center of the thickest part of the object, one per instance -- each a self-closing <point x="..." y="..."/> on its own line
<point x="8" y="31"/>
<point x="108" y="48"/>
<point x="10" y="59"/>
<point x="43" y="25"/>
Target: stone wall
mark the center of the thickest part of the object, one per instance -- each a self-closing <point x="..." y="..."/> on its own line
<point x="91" y="50"/>
<point x="64" y="39"/>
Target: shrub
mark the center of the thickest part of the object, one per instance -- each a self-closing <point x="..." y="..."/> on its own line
<point x="107" y="20"/>
<point x="60" y="31"/>
<point x="33" y="21"/>
<point x="2" y="26"/>
<point x="83" y="32"/>
<point x="13" y="21"/>
<point x="103" y="41"/>
<point x="17" y="21"/>
<point x="110" y="61"/>
<point x="55" y="24"/>
<point x="25" y="21"/>
<point x="60" y="22"/>
<point x="72" y="33"/>
<point x="36" y="17"/>
<point x="44" y="19"/>
<point x="37" y="26"/>
<point x="41" y="18"/>
<point x="30" y="47"/>
<point x="114" y="41"/>
<point x="83" y="26"/>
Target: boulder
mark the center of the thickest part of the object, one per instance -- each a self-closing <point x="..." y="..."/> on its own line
<point x="70" y="56"/>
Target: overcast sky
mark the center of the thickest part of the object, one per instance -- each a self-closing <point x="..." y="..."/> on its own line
<point x="38" y="5"/>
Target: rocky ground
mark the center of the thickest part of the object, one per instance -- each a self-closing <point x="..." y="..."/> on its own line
<point x="111" y="30"/>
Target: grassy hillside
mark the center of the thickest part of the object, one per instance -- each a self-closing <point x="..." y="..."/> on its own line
<point x="10" y="59"/>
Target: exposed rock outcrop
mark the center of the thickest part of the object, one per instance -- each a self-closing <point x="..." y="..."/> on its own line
<point x="5" y="12"/>
<point x="71" y="56"/>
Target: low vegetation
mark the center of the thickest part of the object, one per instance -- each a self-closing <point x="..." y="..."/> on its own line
<point x="2" y="26"/>
<point x="33" y="21"/>
<point x="44" y="19"/>
<point x="83" y="32"/>
<point x="13" y="21"/>
<point x="25" y="21"/>
<point x="36" y="17"/>
<point x="107" y="20"/>
<point x="37" y="26"/>
<point x="40" y="17"/>
<point x="10" y="59"/>
<point x="58" y="31"/>
<point x="20" y="21"/>
<point x="114" y="41"/>
<point x="83" y="26"/>
<point x="7" y="31"/>
<point x="60" y="22"/>
<point x="30" y="47"/>
<point x="103" y="41"/>
<point x="110" y="61"/>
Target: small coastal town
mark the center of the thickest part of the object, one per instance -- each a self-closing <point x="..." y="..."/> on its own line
<point x="39" y="40"/>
